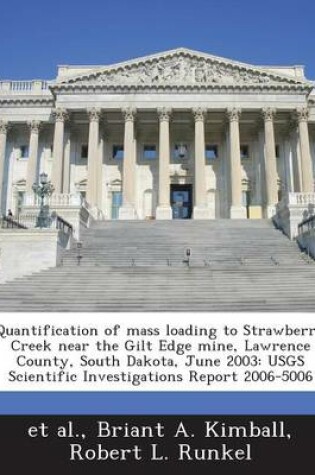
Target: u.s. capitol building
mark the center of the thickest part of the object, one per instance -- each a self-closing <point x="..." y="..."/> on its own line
<point x="179" y="134"/>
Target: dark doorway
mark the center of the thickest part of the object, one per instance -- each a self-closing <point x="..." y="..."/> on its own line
<point x="181" y="201"/>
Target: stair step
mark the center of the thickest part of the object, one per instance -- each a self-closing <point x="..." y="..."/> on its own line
<point x="235" y="265"/>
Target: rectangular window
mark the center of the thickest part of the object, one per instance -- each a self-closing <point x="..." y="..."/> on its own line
<point x="84" y="151"/>
<point x="244" y="149"/>
<point x="149" y="152"/>
<point x="24" y="151"/>
<point x="211" y="152"/>
<point x="181" y="151"/>
<point x="118" y="152"/>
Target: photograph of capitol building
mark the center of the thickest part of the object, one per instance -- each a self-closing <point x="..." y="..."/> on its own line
<point x="174" y="147"/>
<point x="180" y="134"/>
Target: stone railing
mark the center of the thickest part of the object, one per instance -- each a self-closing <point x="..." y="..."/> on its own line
<point x="303" y="199"/>
<point x="35" y="87"/>
<point x="71" y="207"/>
<point x="292" y="210"/>
<point x="57" y="200"/>
<point x="306" y="236"/>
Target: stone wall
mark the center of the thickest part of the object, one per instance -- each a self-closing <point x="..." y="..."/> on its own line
<point x="26" y="251"/>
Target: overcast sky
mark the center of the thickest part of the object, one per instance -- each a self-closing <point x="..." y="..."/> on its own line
<point x="36" y="36"/>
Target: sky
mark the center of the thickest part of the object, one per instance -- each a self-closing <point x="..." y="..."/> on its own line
<point x="36" y="36"/>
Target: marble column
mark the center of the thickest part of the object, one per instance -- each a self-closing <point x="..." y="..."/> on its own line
<point x="306" y="160"/>
<point x="237" y="211"/>
<point x="93" y="149"/>
<point x="164" y="210"/>
<point x="66" y="162"/>
<point x="288" y="159"/>
<point x="201" y="210"/>
<point x="99" y="167"/>
<point x="295" y="154"/>
<point x="270" y="163"/>
<point x="127" y="210"/>
<point x="32" y="166"/>
<point x="3" y="143"/>
<point x="58" y="149"/>
<point x="257" y="195"/>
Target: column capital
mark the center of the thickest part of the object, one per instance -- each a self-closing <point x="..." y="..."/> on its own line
<point x="233" y="114"/>
<point x="164" y="113"/>
<point x="94" y="114"/>
<point x="301" y="114"/>
<point x="268" y="113"/>
<point x="129" y="114"/>
<point x="60" y="115"/>
<point x="4" y="127"/>
<point x="35" y="126"/>
<point x="199" y="113"/>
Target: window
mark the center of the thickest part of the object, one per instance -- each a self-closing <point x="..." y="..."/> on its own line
<point x="84" y="151"/>
<point x="211" y="152"/>
<point x="180" y="151"/>
<point x="118" y="152"/>
<point x="244" y="149"/>
<point x="24" y="151"/>
<point x="149" y="152"/>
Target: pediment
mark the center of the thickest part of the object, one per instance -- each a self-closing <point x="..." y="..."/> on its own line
<point x="178" y="71"/>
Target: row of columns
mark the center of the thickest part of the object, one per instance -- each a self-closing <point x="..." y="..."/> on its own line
<point x="164" y="211"/>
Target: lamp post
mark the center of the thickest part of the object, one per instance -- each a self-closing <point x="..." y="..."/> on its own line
<point x="43" y="189"/>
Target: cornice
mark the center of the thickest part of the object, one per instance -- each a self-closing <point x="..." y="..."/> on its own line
<point x="16" y="101"/>
<point x="229" y="89"/>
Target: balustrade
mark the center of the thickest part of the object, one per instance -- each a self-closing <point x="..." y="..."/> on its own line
<point x="56" y="199"/>
<point x="24" y="87"/>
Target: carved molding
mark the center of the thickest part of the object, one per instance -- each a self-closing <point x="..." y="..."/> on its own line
<point x="4" y="127"/>
<point x="199" y="114"/>
<point x="268" y="113"/>
<point x="35" y="126"/>
<point x="15" y="101"/>
<point x="60" y="115"/>
<point x="129" y="113"/>
<point x="302" y="114"/>
<point x="94" y="114"/>
<point x="179" y="71"/>
<point x="164" y="113"/>
<point x="233" y="114"/>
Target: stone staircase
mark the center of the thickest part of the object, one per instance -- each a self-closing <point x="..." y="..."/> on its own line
<point x="235" y="265"/>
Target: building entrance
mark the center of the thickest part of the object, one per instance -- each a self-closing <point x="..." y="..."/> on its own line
<point x="181" y="201"/>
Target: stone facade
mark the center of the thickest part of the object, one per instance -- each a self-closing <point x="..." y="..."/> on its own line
<point x="173" y="135"/>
